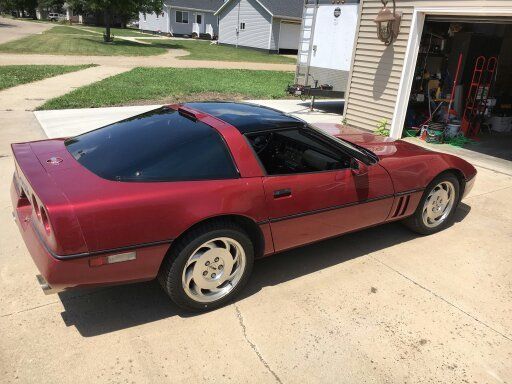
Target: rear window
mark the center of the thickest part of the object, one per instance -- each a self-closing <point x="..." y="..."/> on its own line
<point x="160" y="145"/>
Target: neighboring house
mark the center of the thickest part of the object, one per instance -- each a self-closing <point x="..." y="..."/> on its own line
<point x="270" y="25"/>
<point x="184" y="18"/>
<point x="71" y="16"/>
<point x="382" y="77"/>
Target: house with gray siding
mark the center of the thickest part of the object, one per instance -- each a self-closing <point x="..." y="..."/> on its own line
<point x="270" y="25"/>
<point x="184" y="18"/>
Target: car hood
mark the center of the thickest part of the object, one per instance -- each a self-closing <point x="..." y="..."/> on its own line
<point x="383" y="146"/>
<point x="411" y="167"/>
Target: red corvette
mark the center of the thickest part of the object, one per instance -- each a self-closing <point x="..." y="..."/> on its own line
<point x="192" y="194"/>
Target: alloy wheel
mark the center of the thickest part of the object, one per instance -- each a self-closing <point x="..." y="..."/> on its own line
<point x="214" y="269"/>
<point x="438" y="205"/>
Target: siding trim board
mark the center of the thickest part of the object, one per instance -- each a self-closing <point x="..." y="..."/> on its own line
<point x="376" y="69"/>
<point x="270" y="33"/>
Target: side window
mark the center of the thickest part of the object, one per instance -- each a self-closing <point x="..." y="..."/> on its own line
<point x="242" y="26"/>
<point x="296" y="151"/>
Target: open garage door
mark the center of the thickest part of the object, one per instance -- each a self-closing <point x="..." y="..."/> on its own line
<point x="289" y="36"/>
<point x="462" y="86"/>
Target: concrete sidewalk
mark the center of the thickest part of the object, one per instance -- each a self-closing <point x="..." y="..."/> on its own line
<point x="169" y="59"/>
<point x="29" y="96"/>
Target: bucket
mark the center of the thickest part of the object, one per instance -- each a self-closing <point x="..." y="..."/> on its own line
<point x="435" y="133"/>
<point x="451" y="130"/>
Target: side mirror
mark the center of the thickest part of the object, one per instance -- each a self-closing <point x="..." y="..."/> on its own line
<point x="358" y="168"/>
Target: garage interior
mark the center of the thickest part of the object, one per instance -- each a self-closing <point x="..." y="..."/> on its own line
<point x="462" y="88"/>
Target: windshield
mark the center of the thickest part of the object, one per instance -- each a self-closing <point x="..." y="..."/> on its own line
<point x="352" y="147"/>
<point x="161" y="145"/>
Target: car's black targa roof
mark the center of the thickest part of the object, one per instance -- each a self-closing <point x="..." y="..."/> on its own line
<point x="247" y="118"/>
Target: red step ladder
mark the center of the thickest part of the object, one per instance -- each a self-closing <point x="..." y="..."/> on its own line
<point x="478" y="94"/>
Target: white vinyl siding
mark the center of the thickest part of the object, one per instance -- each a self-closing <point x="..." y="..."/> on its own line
<point x="154" y="23"/>
<point x="257" y="24"/>
<point x="167" y="23"/>
<point x="377" y="69"/>
<point x="228" y="22"/>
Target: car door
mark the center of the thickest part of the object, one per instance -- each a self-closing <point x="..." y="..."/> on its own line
<point x="337" y="194"/>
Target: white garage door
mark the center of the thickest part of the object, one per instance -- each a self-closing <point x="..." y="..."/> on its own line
<point x="289" y="36"/>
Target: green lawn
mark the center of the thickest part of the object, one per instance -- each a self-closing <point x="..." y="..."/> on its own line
<point x="166" y="85"/>
<point x="82" y="44"/>
<point x="82" y="41"/>
<point x="203" y="50"/>
<point x="66" y="30"/>
<point x="12" y="75"/>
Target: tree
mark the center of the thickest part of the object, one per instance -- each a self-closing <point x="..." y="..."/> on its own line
<point x="109" y="8"/>
<point x="51" y="5"/>
<point x="20" y="7"/>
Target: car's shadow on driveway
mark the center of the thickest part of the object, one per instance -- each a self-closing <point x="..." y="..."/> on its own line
<point x="100" y="311"/>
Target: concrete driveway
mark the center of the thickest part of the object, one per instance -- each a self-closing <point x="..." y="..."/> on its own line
<point x="381" y="305"/>
<point x="12" y="29"/>
<point x="378" y="306"/>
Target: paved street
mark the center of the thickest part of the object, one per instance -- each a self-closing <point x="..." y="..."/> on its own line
<point x="378" y="306"/>
<point x="16" y="29"/>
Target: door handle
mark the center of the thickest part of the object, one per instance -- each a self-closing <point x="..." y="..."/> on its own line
<point x="282" y="193"/>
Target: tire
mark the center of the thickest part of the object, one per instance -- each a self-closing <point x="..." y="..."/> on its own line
<point x="430" y="217"/>
<point x="208" y="267"/>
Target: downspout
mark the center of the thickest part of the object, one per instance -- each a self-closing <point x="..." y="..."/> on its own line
<point x="238" y="23"/>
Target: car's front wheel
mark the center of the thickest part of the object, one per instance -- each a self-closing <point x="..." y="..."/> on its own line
<point x="437" y="206"/>
<point x="208" y="266"/>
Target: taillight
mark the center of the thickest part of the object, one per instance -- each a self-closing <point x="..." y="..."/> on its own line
<point x="44" y="220"/>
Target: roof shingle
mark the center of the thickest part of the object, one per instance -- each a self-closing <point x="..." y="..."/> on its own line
<point x="207" y="5"/>
<point x="289" y="8"/>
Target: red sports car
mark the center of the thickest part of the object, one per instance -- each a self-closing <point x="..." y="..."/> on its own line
<point x="193" y="193"/>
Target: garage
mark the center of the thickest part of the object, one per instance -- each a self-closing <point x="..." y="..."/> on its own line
<point x="461" y="87"/>
<point x="289" y="36"/>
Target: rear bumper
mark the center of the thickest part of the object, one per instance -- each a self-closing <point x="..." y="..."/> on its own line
<point x="57" y="274"/>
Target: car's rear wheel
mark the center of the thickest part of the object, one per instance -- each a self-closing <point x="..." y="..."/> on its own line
<point x="208" y="266"/>
<point x="437" y="207"/>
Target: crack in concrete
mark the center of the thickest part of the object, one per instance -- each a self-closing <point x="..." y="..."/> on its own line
<point x="29" y="309"/>
<point x="486" y="193"/>
<point x="493" y="170"/>
<point x="75" y="297"/>
<point x="442" y="298"/>
<point x="252" y="345"/>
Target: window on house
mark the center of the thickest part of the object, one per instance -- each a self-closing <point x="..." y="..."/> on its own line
<point x="144" y="16"/>
<point x="242" y="26"/>
<point x="182" y="17"/>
